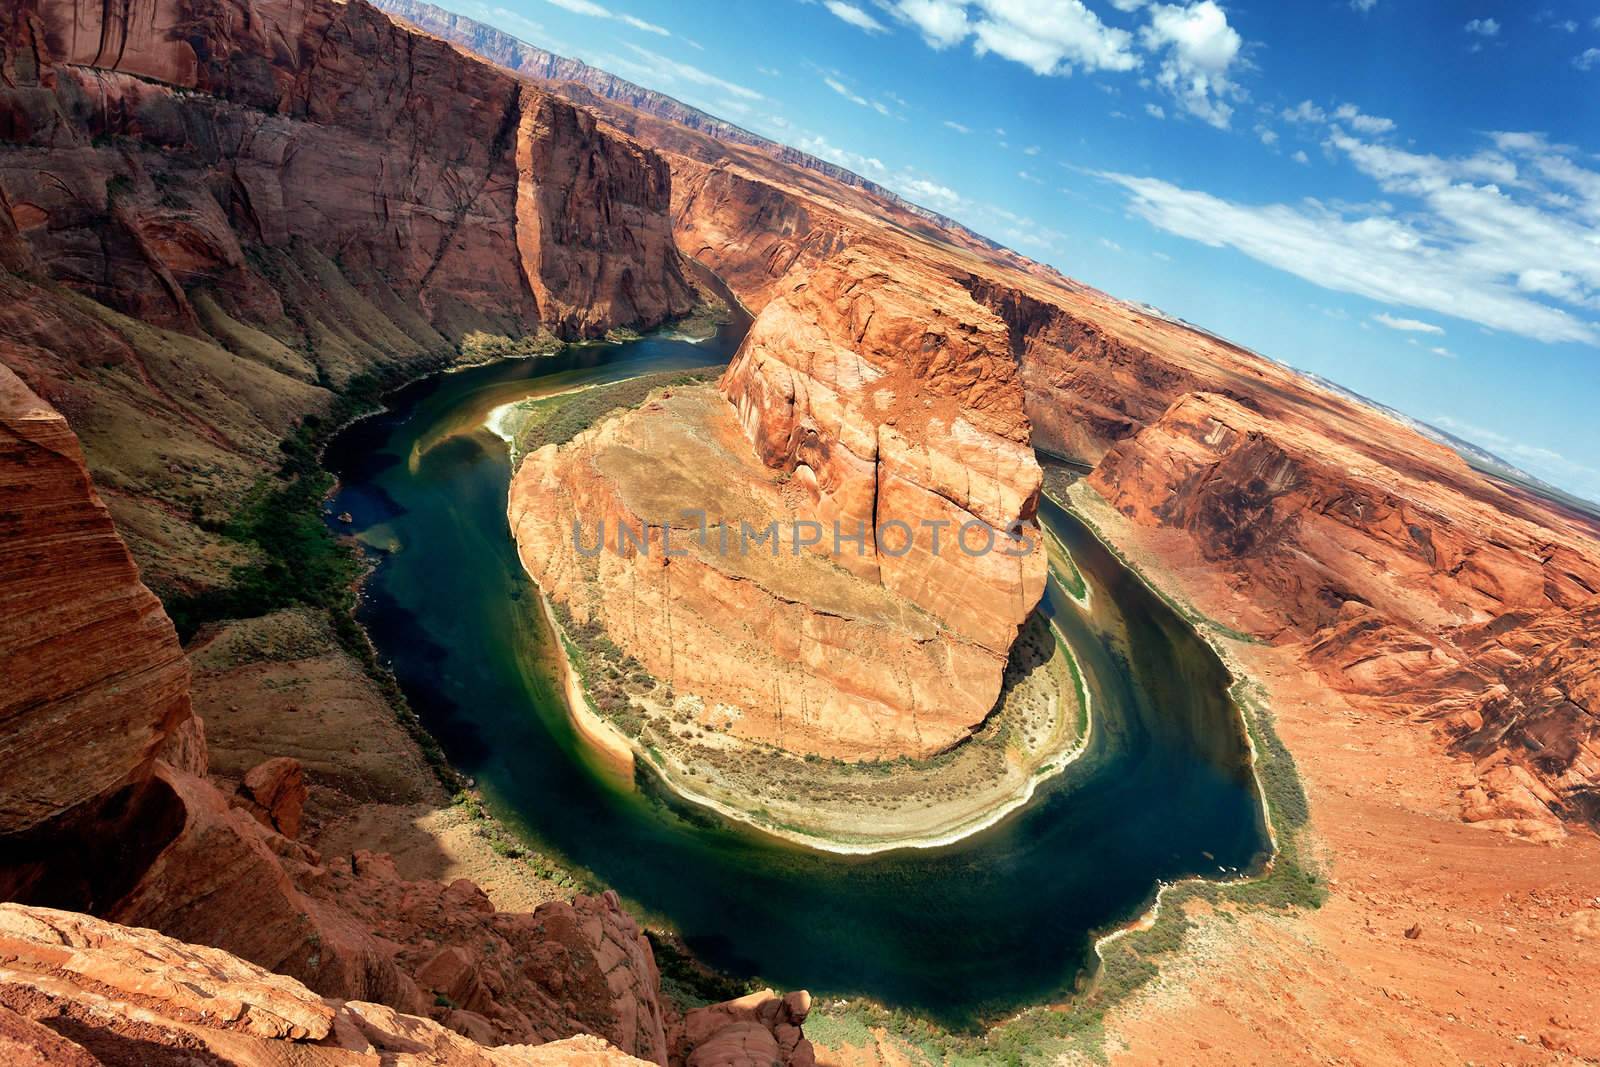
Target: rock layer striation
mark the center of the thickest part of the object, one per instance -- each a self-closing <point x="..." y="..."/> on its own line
<point x="873" y="412"/>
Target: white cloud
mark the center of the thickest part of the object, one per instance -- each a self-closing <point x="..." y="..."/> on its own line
<point x="1307" y="113"/>
<point x="1051" y="36"/>
<point x="956" y="126"/>
<point x="1031" y="150"/>
<point x="942" y="22"/>
<point x="1301" y="157"/>
<point x="927" y="192"/>
<point x="1383" y="318"/>
<point x="1304" y="111"/>
<point x="647" y="27"/>
<point x="1028" y="177"/>
<point x="581" y="7"/>
<point x="507" y="17"/>
<point x="854" y="16"/>
<point x="844" y="90"/>
<point x="1046" y="36"/>
<point x="870" y="166"/>
<point x="833" y="82"/>
<point x="662" y="69"/>
<point x="1106" y="242"/>
<point x="1538" y="458"/>
<point x="1440" y="350"/>
<point x="1268" y="135"/>
<point x="1020" y="231"/>
<point x="1363" y="6"/>
<point x="1465" y="246"/>
<point x="1370" y="124"/>
<point x="593" y="10"/>
<point x="1194" y="47"/>
<point x="1155" y="111"/>
<point x="1483" y="27"/>
<point x="1200" y="50"/>
<point x="1588" y="59"/>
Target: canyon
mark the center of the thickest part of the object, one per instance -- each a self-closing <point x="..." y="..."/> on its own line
<point x="216" y="216"/>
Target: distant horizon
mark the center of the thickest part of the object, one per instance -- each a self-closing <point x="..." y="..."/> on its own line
<point x="1457" y="295"/>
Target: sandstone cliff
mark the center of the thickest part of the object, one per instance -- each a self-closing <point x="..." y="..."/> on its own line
<point x="625" y="104"/>
<point x="80" y="991"/>
<point x="890" y="396"/>
<point x="751" y="232"/>
<point x="1414" y="584"/>
<point x="106" y="809"/>
<point x="186" y="134"/>
<point x="82" y="636"/>
<point x="218" y="211"/>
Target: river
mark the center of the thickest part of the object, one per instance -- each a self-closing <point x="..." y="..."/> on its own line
<point x="961" y="933"/>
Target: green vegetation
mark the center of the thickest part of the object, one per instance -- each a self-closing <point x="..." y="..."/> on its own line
<point x="509" y="845"/>
<point x="611" y="679"/>
<point x="1071" y="579"/>
<point x="482" y="347"/>
<point x="298" y="559"/>
<point x="555" y="420"/>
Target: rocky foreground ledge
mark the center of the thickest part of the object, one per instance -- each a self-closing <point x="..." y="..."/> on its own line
<point x="80" y="992"/>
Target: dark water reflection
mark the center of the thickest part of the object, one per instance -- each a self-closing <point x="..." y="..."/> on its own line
<point x="968" y="930"/>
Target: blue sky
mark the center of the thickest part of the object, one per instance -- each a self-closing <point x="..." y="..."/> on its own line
<point x="1403" y="197"/>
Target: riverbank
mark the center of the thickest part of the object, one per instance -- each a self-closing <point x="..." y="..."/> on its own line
<point x="889" y="797"/>
<point x="771" y="768"/>
<point x="602" y="739"/>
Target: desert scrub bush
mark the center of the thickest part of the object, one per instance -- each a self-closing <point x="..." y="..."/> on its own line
<point x="558" y="419"/>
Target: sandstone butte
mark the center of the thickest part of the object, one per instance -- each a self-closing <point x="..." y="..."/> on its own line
<point x="207" y="221"/>
<point x="872" y="410"/>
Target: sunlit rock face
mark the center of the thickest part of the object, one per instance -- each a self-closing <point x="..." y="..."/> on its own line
<point x="874" y="407"/>
<point x="440" y="184"/>
<point x="1405" y="579"/>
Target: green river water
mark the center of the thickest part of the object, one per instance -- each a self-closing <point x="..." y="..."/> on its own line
<point x="960" y="933"/>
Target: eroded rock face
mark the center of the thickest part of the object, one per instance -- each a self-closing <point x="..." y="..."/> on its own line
<point x="890" y="396"/>
<point x="874" y="397"/>
<point x="440" y="180"/>
<point x="1418" y="586"/>
<point x="592" y="224"/>
<point x="510" y="977"/>
<point x="752" y="233"/>
<point x="93" y="678"/>
<point x="98" y="820"/>
<point x="275" y="791"/>
<point x="759" y="1028"/>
